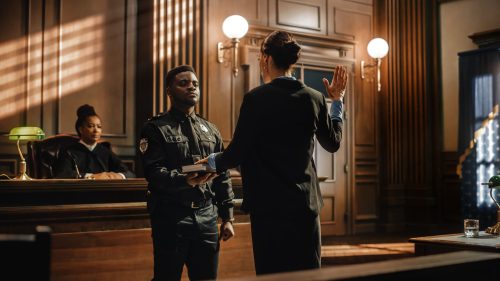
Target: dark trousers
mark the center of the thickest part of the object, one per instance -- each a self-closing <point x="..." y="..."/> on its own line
<point x="286" y="244"/>
<point x="185" y="236"/>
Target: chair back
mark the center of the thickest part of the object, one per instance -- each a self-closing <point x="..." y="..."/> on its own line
<point x="42" y="155"/>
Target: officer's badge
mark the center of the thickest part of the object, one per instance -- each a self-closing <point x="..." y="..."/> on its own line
<point x="204" y="128"/>
<point x="143" y="145"/>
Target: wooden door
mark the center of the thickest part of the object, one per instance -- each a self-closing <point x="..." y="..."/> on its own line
<point x="331" y="168"/>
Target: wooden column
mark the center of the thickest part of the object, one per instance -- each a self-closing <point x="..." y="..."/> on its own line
<point x="410" y="113"/>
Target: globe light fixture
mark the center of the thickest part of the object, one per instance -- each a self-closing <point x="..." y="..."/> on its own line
<point x="234" y="27"/>
<point x="377" y="49"/>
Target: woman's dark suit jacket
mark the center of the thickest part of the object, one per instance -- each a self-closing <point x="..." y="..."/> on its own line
<point x="273" y="143"/>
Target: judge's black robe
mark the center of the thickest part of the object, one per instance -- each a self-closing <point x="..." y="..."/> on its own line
<point x="77" y="160"/>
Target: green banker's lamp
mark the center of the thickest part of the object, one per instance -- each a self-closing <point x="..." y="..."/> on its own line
<point x="494" y="182"/>
<point x="24" y="133"/>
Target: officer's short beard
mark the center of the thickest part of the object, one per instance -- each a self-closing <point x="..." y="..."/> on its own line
<point x="183" y="102"/>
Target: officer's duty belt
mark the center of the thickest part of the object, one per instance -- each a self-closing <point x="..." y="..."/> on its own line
<point x="197" y="204"/>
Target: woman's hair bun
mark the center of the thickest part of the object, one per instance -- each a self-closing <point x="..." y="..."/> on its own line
<point x="282" y="47"/>
<point x="291" y="47"/>
<point x="85" y="110"/>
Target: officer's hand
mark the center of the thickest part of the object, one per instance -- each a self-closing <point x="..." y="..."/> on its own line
<point x="193" y="179"/>
<point x="202" y="161"/>
<point x="226" y="231"/>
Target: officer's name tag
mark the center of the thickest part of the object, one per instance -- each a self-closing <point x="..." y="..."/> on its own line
<point x="174" y="139"/>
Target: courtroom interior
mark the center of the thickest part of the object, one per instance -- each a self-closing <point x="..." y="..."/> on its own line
<point x="419" y="153"/>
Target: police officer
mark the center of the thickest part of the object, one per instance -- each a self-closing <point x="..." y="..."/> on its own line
<point x="184" y="207"/>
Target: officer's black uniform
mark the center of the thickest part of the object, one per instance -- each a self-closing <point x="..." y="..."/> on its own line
<point x="183" y="218"/>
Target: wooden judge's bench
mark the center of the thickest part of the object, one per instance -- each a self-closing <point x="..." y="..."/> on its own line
<point x="70" y="205"/>
<point x="101" y="229"/>
<point x="74" y="205"/>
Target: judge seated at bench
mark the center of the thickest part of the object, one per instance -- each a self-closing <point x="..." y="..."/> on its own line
<point x="88" y="158"/>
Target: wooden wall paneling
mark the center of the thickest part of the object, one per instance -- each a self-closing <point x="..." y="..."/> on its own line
<point x="92" y="68"/>
<point x="34" y="64"/>
<point x="144" y="72"/>
<point x="225" y="92"/>
<point x="8" y="166"/>
<point x="345" y="19"/>
<point x="366" y="199"/>
<point x="14" y="23"/>
<point x="177" y="39"/>
<point x="59" y="55"/>
<point x="254" y="11"/>
<point x="450" y="189"/>
<point x="249" y="59"/>
<point x="435" y="89"/>
<point x="366" y="2"/>
<point x="219" y="93"/>
<point x="285" y="14"/>
<point x="128" y="146"/>
<point x="95" y="65"/>
<point x="50" y="67"/>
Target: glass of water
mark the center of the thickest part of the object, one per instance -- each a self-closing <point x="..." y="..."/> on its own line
<point x="471" y="228"/>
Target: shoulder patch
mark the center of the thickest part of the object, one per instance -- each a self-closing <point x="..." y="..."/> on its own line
<point x="143" y="145"/>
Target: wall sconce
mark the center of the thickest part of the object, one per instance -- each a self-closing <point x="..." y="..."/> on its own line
<point x="377" y="49"/>
<point x="234" y="27"/>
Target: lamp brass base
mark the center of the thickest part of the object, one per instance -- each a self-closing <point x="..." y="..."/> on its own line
<point x="23" y="177"/>
<point x="22" y="170"/>
<point x="493" y="229"/>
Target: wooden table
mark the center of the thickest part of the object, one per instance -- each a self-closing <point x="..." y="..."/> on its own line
<point x="455" y="242"/>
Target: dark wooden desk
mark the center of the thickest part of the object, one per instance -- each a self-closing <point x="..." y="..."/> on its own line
<point x="71" y="191"/>
<point x="74" y="205"/>
<point x="455" y="242"/>
<point x="71" y="205"/>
